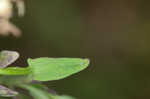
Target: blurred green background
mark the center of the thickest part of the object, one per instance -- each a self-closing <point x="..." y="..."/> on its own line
<point x="114" y="34"/>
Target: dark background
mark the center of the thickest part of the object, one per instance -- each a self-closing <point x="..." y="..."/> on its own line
<point x="114" y="34"/>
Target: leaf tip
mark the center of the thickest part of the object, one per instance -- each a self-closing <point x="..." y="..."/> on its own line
<point x="86" y="62"/>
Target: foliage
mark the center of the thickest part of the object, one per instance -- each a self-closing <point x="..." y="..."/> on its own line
<point x="39" y="69"/>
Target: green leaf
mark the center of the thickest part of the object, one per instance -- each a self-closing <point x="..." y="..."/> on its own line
<point x="46" y="69"/>
<point x="36" y="92"/>
<point x="64" y="97"/>
<point x="15" y="71"/>
<point x="14" y="80"/>
<point x="39" y="91"/>
<point x="23" y="96"/>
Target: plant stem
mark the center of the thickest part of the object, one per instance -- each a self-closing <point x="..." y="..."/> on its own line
<point x="15" y="71"/>
<point x="37" y="92"/>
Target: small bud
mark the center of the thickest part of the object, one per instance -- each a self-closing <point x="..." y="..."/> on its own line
<point x="7" y="58"/>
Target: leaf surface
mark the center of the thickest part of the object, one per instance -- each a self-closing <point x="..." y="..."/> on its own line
<point x="37" y="93"/>
<point x="47" y="69"/>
